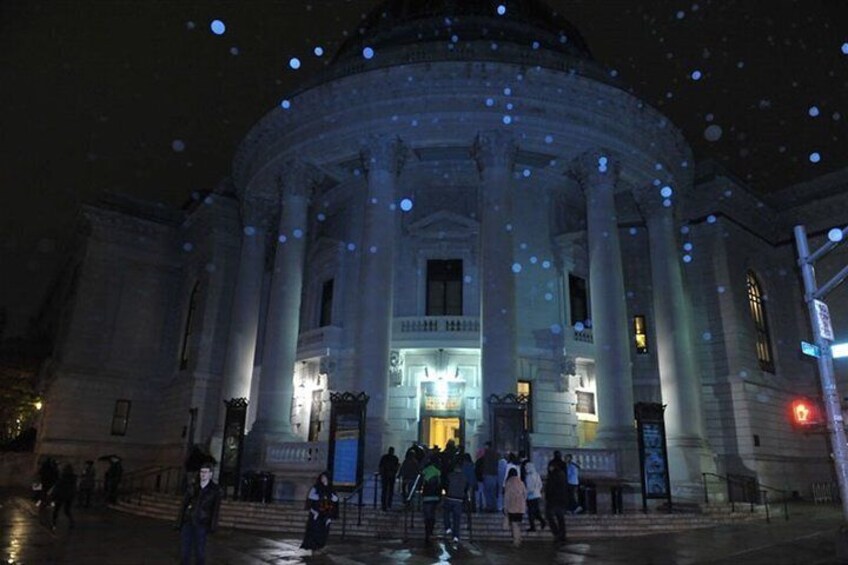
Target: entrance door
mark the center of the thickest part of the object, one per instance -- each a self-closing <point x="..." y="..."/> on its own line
<point x="441" y="430"/>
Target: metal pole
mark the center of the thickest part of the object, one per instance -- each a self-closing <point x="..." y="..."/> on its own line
<point x="833" y="408"/>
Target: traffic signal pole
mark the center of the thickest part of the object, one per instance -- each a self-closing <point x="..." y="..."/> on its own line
<point x="833" y="407"/>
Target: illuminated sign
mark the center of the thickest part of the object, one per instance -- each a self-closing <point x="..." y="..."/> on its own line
<point x="442" y="396"/>
<point x="805" y="413"/>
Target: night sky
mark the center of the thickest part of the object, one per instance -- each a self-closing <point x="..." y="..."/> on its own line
<point x="141" y="97"/>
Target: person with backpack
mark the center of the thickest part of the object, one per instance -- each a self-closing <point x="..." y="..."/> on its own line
<point x="455" y="496"/>
<point x="431" y="494"/>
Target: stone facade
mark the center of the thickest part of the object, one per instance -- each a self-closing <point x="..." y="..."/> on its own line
<point x="312" y="274"/>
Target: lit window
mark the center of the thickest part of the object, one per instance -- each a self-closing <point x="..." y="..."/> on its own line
<point x="121" y="417"/>
<point x="525" y="389"/>
<point x="758" y="314"/>
<point x="640" y="334"/>
<point x="192" y="305"/>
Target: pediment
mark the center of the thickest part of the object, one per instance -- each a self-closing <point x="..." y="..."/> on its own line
<point x="444" y="225"/>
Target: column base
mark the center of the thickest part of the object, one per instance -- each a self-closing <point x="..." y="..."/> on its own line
<point x="688" y="458"/>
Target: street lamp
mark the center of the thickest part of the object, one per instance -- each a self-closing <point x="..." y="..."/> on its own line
<point x="823" y="333"/>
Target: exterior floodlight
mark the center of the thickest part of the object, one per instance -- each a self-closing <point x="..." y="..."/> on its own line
<point x="839" y="350"/>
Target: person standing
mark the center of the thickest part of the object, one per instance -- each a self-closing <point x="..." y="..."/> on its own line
<point x="431" y="493"/>
<point x="455" y="496"/>
<point x="490" y="477"/>
<point x="63" y="493"/>
<point x="515" y="504"/>
<point x="468" y="469"/>
<point x="198" y="516"/>
<point x="48" y="474"/>
<point x="86" y="484"/>
<point x="556" y="500"/>
<point x="112" y="480"/>
<point x="533" y="483"/>
<point x="389" y="465"/>
<point x="408" y="473"/>
<point x="323" y="507"/>
<point x="572" y="474"/>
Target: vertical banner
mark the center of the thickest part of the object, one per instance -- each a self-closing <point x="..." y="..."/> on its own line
<point x="347" y="439"/>
<point x="653" y="453"/>
<point x="233" y="444"/>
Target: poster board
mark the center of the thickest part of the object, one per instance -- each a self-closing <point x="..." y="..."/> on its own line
<point x="347" y="439"/>
<point x="653" y="453"/>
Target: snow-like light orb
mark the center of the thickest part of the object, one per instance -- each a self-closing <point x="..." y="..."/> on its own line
<point x="813" y="111"/>
<point x="845" y="48"/>
<point x="711" y="219"/>
<point x="815" y="157"/>
<point x="501" y="9"/>
<point x="373" y="249"/>
<point x="187" y="246"/>
<point x="579" y="327"/>
<point x="556" y="329"/>
<point x="282" y="238"/>
<point x="297" y="233"/>
<point x="535" y="45"/>
<point x="684" y="229"/>
<point x="696" y="75"/>
<point x="467" y="279"/>
<point x="507" y="91"/>
<point x="835" y="235"/>
<point x="178" y="145"/>
<point x="667" y="203"/>
<point x="351" y="247"/>
<point x="285" y="104"/>
<point x="490" y="102"/>
<point x="687" y="258"/>
<point x="368" y="53"/>
<point x="321" y="216"/>
<point x="706" y="336"/>
<point x="516" y="268"/>
<point x="713" y="132"/>
<point x="721" y="289"/>
<point x="406" y="204"/>
<point x="218" y="27"/>
<point x="526" y="173"/>
<point x="546" y="264"/>
<point x="534" y="260"/>
<point x="666" y="191"/>
<point x="680" y="14"/>
<point x="549" y="296"/>
<point x="319" y="51"/>
<point x="249" y="230"/>
<point x="633" y="231"/>
<point x="234" y="50"/>
<point x="507" y="120"/>
<point x="294" y="63"/>
<point x="687" y="246"/>
<point x="549" y="139"/>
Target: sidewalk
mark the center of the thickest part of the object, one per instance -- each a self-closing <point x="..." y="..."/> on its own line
<point x="108" y="537"/>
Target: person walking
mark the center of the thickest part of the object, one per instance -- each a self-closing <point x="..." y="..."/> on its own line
<point x="533" y="484"/>
<point x="456" y="493"/>
<point x="490" y="477"/>
<point x="198" y="515"/>
<point x="48" y="474"/>
<point x="572" y="474"/>
<point x="389" y="466"/>
<point x="431" y="493"/>
<point x="515" y="504"/>
<point x="408" y="473"/>
<point x="86" y="484"/>
<point x="323" y="507"/>
<point x="469" y="470"/>
<point x="62" y="496"/>
<point x="556" y="500"/>
<point x="112" y="480"/>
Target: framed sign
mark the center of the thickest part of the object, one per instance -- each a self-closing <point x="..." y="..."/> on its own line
<point x="653" y="454"/>
<point x="233" y="443"/>
<point x="508" y="423"/>
<point x="347" y="439"/>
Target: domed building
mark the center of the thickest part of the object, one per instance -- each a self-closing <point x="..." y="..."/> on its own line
<point x="464" y="230"/>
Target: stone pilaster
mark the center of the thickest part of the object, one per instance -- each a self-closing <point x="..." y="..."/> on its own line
<point x="688" y="452"/>
<point x="295" y="182"/>
<point x="494" y="152"/>
<point x="597" y="173"/>
<point x="383" y="158"/>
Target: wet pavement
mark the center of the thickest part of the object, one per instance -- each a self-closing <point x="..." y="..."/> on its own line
<point x="109" y="537"/>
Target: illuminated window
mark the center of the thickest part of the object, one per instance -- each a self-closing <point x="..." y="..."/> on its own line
<point x="525" y="389"/>
<point x="121" y="417"/>
<point x="326" y="316"/>
<point x="192" y="305"/>
<point x="444" y="287"/>
<point x="758" y="314"/>
<point x="640" y="334"/>
<point x="578" y="299"/>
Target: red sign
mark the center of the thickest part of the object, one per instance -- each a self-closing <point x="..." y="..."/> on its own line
<point x="805" y="413"/>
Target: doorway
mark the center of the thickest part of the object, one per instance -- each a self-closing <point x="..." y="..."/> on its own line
<point x="440" y="430"/>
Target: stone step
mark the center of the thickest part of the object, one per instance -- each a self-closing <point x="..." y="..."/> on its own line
<point x="290" y="518"/>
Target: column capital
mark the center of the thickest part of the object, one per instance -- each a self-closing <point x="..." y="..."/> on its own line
<point x="494" y="148"/>
<point x="383" y="152"/>
<point x="258" y="213"/>
<point x="595" y="167"/>
<point x="298" y="178"/>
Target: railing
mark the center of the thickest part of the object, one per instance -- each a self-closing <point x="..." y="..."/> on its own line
<point x="437" y="324"/>
<point x="584" y="335"/>
<point x="752" y="492"/>
<point x="155" y="479"/>
<point x="300" y="452"/>
<point x="357" y="491"/>
<point x="825" y="491"/>
<point x="594" y="463"/>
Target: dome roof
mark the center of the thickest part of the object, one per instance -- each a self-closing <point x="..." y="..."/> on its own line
<point x="531" y="24"/>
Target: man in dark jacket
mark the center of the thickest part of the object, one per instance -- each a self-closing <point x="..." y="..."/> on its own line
<point x="455" y="493"/>
<point x="199" y="515"/>
<point x="389" y="465"/>
<point x="556" y="500"/>
<point x="490" y="477"/>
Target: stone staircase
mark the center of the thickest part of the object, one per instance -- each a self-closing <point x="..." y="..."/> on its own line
<point x="290" y="519"/>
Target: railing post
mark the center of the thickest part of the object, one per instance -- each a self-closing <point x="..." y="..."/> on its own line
<point x="765" y="503"/>
<point x="344" y="517"/>
<point x="785" y="508"/>
<point x="706" y="495"/>
<point x="375" y="490"/>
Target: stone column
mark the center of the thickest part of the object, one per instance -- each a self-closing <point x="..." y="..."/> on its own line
<point x="495" y="152"/>
<point x="597" y="173"/>
<point x="382" y="158"/>
<point x="680" y="382"/>
<point x="256" y="216"/>
<point x="276" y="388"/>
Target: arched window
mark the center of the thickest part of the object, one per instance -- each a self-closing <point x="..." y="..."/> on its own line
<point x="758" y="314"/>
<point x="192" y="305"/>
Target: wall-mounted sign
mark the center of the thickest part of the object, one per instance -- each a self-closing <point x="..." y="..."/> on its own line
<point x="347" y="439"/>
<point x="823" y="320"/>
<point x="442" y="396"/>
<point x="653" y="455"/>
<point x="232" y="447"/>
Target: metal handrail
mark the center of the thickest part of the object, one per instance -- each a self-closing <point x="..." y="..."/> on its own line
<point x="358" y="490"/>
<point x="762" y="491"/>
<point x="141" y="475"/>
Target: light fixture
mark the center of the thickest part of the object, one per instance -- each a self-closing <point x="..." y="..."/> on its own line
<point x="839" y="350"/>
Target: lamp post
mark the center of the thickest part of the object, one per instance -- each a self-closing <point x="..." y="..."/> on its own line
<point x="823" y="334"/>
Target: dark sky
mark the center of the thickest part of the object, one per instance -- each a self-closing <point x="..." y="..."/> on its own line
<point x="141" y="97"/>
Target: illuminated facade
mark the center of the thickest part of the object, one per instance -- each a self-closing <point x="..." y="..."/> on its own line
<point x="433" y="225"/>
